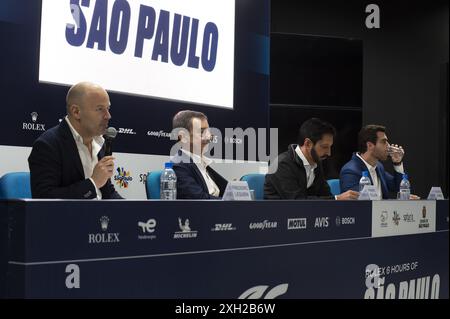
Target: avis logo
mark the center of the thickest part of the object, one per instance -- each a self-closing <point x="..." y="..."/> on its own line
<point x="257" y="292"/>
<point x="321" y="222"/>
<point x="129" y="131"/>
<point x="123" y="177"/>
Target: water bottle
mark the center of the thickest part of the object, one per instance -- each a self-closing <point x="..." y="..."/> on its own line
<point x="405" y="188"/>
<point x="168" y="185"/>
<point x="365" y="180"/>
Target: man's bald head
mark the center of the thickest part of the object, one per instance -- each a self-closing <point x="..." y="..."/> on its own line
<point x="88" y="108"/>
<point x="77" y="93"/>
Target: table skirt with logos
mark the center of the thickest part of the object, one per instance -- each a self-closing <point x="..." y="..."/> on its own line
<point x="224" y="249"/>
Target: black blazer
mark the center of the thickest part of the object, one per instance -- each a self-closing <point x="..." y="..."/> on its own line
<point x="56" y="170"/>
<point x="289" y="181"/>
<point x="190" y="182"/>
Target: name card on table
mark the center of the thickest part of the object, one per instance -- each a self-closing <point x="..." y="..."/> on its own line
<point x="435" y="193"/>
<point x="369" y="192"/>
<point x="237" y="190"/>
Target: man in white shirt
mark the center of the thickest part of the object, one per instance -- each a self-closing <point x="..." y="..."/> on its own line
<point x="68" y="161"/>
<point x="373" y="147"/>
<point x="195" y="178"/>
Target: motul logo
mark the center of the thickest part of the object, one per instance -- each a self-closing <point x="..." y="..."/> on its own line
<point x="297" y="223"/>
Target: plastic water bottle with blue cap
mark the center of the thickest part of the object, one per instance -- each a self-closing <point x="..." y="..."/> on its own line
<point x="168" y="185"/>
<point x="405" y="188"/>
<point x="365" y="180"/>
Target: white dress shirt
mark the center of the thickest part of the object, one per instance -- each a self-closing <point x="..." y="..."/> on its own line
<point x="88" y="160"/>
<point x="310" y="175"/>
<point x="373" y="174"/>
<point x="202" y="163"/>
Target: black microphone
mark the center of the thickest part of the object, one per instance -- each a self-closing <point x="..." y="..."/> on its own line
<point x="109" y="136"/>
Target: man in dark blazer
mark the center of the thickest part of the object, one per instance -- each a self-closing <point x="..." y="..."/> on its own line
<point x="195" y="178"/>
<point x="299" y="173"/>
<point x="67" y="161"/>
<point x="373" y="147"/>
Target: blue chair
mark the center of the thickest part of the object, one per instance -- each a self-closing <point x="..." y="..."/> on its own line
<point x="335" y="188"/>
<point x="255" y="182"/>
<point x="15" y="185"/>
<point x="152" y="185"/>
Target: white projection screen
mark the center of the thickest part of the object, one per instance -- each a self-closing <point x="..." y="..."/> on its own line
<point x="169" y="49"/>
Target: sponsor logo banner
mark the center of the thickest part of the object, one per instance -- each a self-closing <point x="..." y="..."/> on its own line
<point x="392" y="218"/>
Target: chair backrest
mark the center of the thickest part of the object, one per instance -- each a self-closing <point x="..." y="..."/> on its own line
<point x="255" y="182"/>
<point x="15" y="185"/>
<point x="152" y="184"/>
<point x="335" y="188"/>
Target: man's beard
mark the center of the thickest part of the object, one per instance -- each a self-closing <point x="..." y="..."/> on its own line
<point x="381" y="156"/>
<point x="316" y="157"/>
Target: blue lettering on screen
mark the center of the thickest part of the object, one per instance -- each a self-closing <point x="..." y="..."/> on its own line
<point x="174" y="35"/>
<point x="180" y="39"/>
<point x="146" y="28"/>
<point x="210" y="39"/>
<point x="97" y="33"/>
<point x="161" y="46"/>
<point x="76" y="33"/>
<point x="193" y="59"/>
<point x="118" y="42"/>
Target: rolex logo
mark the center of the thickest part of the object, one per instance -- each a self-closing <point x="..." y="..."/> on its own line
<point x="33" y="126"/>
<point x="104" y="220"/>
<point x="34" y="116"/>
<point x="104" y="237"/>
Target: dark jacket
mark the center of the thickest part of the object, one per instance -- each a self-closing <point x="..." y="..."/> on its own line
<point x="56" y="170"/>
<point x="190" y="182"/>
<point x="289" y="181"/>
<point x="351" y="173"/>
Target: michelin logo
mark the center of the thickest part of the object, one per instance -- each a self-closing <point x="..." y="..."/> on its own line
<point x="185" y="230"/>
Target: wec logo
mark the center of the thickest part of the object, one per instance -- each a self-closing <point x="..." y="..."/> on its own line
<point x="257" y="292"/>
